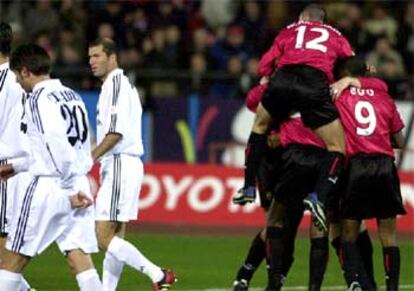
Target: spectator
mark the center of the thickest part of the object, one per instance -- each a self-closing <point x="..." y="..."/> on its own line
<point x="41" y="18"/>
<point x="383" y="54"/>
<point x="379" y="24"/>
<point x="232" y="45"/>
<point x="405" y="39"/>
<point x="253" y="24"/>
<point x="219" y="13"/>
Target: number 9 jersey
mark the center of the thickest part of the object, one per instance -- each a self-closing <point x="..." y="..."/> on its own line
<point x="369" y="116"/>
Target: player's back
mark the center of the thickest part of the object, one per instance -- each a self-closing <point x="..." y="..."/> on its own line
<point x="309" y="43"/>
<point x="74" y="112"/>
<point x="11" y="110"/>
<point x="369" y="117"/>
<point x="293" y="131"/>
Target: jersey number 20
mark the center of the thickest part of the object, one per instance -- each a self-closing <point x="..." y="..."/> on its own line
<point x="313" y="44"/>
<point x="77" y="126"/>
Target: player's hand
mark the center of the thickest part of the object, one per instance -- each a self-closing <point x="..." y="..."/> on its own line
<point x="340" y="85"/>
<point x="6" y="172"/>
<point x="80" y="200"/>
<point x="273" y="140"/>
<point x="264" y="80"/>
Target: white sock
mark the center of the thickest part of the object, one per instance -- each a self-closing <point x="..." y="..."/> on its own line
<point x="112" y="269"/>
<point x="89" y="280"/>
<point x="24" y="285"/>
<point x="130" y="255"/>
<point x="10" y="281"/>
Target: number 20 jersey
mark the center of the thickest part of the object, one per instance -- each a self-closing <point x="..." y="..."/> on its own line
<point x="57" y="126"/>
<point x="370" y="117"/>
<point x="308" y="43"/>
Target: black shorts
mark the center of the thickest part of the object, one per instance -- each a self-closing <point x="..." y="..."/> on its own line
<point x="299" y="173"/>
<point x="300" y="88"/>
<point x="269" y="170"/>
<point x="373" y="189"/>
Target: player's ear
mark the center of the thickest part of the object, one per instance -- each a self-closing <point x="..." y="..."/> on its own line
<point x="24" y="72"/>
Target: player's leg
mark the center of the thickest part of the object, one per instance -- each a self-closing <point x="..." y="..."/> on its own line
<point x="318" y="258"/>
<point x="331" y="168"/>
<point x="366" y="250"/>
<point x="112" y="267"/>
<point x="255" y="150"/>
<point x="255" y="255"/>
<point x="116" y="204"/>
<point x="79" y="241"/>
<point x="275" y="244"/>
<point x="127" y="253"/>
<point x="354" y="269"/>
<point x="391" y="252"/>
<point x="11" y="270"/>
<point x="82" y="267"/>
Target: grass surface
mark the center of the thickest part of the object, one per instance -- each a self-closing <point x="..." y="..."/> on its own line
<point x="203" y="262"/>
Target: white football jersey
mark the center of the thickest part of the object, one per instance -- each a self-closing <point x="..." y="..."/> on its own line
<point x="12" y="97"/>
<point x="119" y="110"/>
<point x="57" y="126"/>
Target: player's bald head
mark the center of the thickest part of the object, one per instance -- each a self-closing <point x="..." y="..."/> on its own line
<point x="313" y="12"/>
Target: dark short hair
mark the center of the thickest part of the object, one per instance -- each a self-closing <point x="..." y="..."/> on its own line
<point x="31" y="56"/>
<point x="109" y="46"/>
<point x="6" y="38"/>
<point x="352" y="66"/>
<point x="316" y="12"/>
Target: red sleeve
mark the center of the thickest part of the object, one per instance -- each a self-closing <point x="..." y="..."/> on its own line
<point x="345" y="49"/>
<point x="268" y="61"/>
<point x="374" y="83"/>
<point x="397" y="124"/>
<point x="254" y="96"/>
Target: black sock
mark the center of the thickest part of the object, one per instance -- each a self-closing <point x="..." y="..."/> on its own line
<point x="366" y="250"/>
<point x="336" y="244"/>
<point x="353" y="267"/>
<point x="255" y="256"/>
<point x="331" y="169"/>
<point x="256" y="147"/>
<point x="317" y="263"/>
<point x="274" y="237"/>
<point x="392" y="267"/>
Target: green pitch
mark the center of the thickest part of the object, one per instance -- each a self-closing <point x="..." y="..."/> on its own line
<point x="205" y="262"/>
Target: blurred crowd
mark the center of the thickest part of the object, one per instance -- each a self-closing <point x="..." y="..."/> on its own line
<point x="206" y="47"/>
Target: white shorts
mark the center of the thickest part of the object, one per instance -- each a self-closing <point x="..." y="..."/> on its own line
<point x="6" y="203"/>
<point x="82" y="233"/>
<point x="118" y="195"/>
<point x="42" y="212"/>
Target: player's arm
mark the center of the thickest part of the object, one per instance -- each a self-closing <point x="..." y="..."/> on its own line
<point x="340" y="85"/>
<point x="117" y="123"/>
<point x="109" y="141"/>
<point x="267" y="63"/>
<point x="397" y="140"/>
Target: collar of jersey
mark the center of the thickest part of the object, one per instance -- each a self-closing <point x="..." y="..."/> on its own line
<point x="42" y="84"/>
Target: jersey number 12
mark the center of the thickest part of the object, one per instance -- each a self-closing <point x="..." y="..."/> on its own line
<point x="313" y="44"/>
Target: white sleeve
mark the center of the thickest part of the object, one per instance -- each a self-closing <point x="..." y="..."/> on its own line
<point x="118" y="122"/>
<point x="52" y="126"/>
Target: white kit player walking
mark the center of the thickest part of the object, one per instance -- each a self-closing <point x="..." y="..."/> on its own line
<point x="53" y="207"/>
<point x="119" y="148"/>
<point x="13" y="144"/>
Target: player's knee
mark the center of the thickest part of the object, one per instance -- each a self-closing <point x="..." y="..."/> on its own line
<point x="104" y="239"/>
<point x="78" y="261"/>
